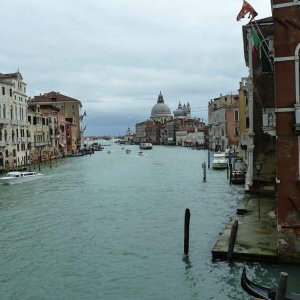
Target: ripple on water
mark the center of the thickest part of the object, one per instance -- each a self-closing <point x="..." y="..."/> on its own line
<point x="111" y="227"/>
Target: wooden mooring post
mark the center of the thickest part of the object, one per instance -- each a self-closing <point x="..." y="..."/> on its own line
<point x="208" y="160"/>
<point x="232" y="239"/>
<point x="187" y="231"/>
<point x="282" y="286"/>
<point x="204" y="171"/>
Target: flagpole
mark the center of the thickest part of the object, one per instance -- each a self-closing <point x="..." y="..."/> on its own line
<point x="263" y="41"/>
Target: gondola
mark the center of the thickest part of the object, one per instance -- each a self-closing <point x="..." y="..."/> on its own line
<point x="262" y="292"/>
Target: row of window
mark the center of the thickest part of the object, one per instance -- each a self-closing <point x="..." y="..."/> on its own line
<point x="15" y="113"/>
<point x="14" y="134"/>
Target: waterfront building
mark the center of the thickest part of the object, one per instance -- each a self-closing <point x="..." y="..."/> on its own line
<point x="165" y="129"/>
<point x="287" y="109"/>
<point x="13" y="122"/>
<point x="258" y="138"/>
<point x="69" y="107"/>
<point x="244" y="119"/>
<point x="273" y="94"/>
<point x="223" y="121"/>
<point x="71" y="137"/>
<point x="129" y="137"/>
<point x="39" y="140"/>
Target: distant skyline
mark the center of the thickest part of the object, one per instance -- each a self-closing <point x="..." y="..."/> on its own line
<point x="116" y="56"/>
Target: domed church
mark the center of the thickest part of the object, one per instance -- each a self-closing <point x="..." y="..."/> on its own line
<point x="183" y="112"/>
<point x="161" y="111"/>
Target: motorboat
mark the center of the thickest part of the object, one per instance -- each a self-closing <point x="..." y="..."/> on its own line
<point x="20" y="176"/>
<point x="219" y="161"/>
<point x="141" y="153"/>
<point x="145" y="146"/>
<point x="262" y="292"/>
<point x="128" y="151"/>
<point x="239" y="171"/>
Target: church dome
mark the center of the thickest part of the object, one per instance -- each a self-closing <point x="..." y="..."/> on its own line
<point x="179" y="112"/>
<point x="160" y="109"/>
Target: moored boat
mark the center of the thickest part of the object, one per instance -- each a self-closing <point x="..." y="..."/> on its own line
<point x="146" y="146"/>
<point x="20" y="176"/>
<point x="239" y="171"/>
<point x="219" y="161"/>
<point x="262" y="292"/>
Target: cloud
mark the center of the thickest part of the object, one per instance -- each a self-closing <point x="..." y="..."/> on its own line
<point x="115" y="56"/>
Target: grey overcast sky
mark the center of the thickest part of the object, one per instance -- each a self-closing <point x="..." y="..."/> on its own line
<point x="115" y="56"/>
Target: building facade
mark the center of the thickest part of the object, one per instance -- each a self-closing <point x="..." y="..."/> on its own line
<point x="287" y="109"/>
<point x="223" y="122"/>
<point x="163" y="128"/>
<point x="13" y="122"/>
<point x="69" y="107"/>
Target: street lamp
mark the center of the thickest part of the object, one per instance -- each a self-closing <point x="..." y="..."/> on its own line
<point x="258" y="166"/>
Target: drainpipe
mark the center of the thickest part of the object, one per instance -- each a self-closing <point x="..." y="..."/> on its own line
<point x="250" y="148"/>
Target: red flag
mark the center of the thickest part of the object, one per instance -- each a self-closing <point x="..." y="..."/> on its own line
<point x="246" y="8"/>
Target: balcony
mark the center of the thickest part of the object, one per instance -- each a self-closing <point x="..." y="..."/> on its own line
<point x="269" y="121"/>
<point x="39" y="144"/>
<point x="4" y="121"/>
<point x="22" y="123"/>
<point x="14" y="122"/>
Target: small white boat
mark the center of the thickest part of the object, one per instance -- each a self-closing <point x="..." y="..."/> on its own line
<point x="146" y="146"/>
<point x="20" y="176"/>
<point x="140" y="153"/>
<point x="219" y="161"/>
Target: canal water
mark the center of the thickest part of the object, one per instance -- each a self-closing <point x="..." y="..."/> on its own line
<point x="110" y="226"/>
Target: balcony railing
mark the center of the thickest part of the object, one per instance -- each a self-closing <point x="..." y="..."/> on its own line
<point x="38" y="144"/>
<point x="4" y="121"/>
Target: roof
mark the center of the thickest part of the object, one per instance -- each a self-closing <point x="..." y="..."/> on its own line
<point x="10" y="75"/>
<point x="54" y="97"/>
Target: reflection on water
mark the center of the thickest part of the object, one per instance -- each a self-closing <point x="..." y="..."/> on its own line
<point x="110" y="226"/>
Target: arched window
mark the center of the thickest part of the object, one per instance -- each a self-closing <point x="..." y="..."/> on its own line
<point x="1" y="132"/>
<point x="11" y="112"/>
<point x="4" y="111"/>
<point x="13" y="136"/>
<point x="5" y="135"/>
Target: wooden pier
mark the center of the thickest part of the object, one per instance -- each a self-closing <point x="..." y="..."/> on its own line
<point x="256" y="239"/>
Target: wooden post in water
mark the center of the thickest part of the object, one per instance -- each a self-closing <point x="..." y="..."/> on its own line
<point x="282" y="285"/>
<point x="50" y="160"/>
<point x="227" y="170"/>
<point x="204" y="171"/>
<point x="230" y="172"/>
<point x="40" y="159"/>
<point x="234" y="230"/>
<point x="187" y="231"/>
<point x="208" y="160"/>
